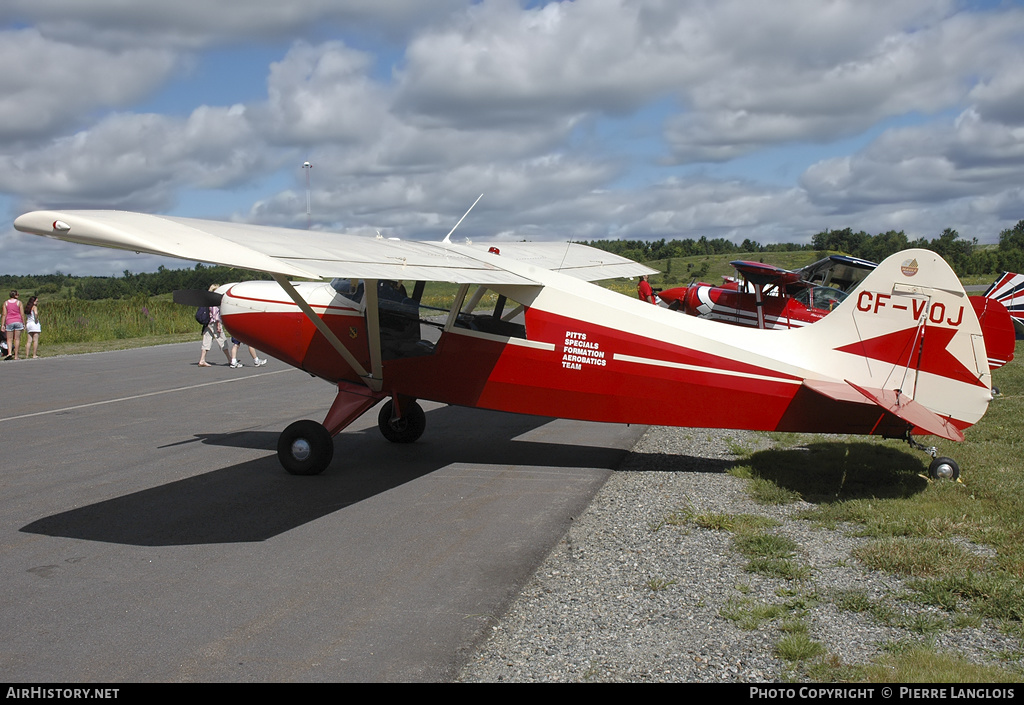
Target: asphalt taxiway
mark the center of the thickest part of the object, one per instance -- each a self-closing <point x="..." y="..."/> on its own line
<point x="148" y="533"/>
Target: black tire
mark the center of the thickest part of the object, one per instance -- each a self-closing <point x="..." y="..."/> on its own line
<point x="943" y="469"/>
<point x="305" y="448"/>
<point x="406" y="429"/>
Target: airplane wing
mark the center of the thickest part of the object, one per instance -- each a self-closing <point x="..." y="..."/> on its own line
<point x="762" y="274"/>
<point x="317" y="255"/>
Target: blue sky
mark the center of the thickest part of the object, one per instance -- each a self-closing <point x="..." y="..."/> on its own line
<point x="641" y="119"/>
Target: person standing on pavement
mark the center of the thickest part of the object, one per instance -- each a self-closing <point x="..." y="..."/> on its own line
<point x="213" y="331"/>
<point x="12" y="321"/>
<point x="32" y="327"/>
<point x="256" y="361"/>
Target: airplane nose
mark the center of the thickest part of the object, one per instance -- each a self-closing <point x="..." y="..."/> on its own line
<point x="260" y="314"/>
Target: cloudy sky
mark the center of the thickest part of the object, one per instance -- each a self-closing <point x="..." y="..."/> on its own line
<point x="641" y="119"/>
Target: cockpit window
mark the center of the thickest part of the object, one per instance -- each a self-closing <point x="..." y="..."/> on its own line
<point x="489" y="311"/>
<point x="823" y="298"/>
<point x="351" y="289"/>
<point x="410" y="328"/>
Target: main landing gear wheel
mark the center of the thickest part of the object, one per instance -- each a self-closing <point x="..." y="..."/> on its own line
<point x="305" y="448"/>
<point x="406" y="429"/>
<point x="943" y="469"/>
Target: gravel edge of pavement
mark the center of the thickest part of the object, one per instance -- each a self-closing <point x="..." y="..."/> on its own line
<point x="625" y="596"/>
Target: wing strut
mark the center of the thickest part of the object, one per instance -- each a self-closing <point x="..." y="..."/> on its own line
<point x="376" y="377"/>
<point x="374" y="382"/>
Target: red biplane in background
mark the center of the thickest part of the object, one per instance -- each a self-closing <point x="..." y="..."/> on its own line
<point x="765" y="296"/>
<point x="904" y="356"/>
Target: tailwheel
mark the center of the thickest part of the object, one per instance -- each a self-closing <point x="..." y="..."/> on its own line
<point x="406" y="429"/>
<point x="943" y="469"/>
<point x="305" y="448"/>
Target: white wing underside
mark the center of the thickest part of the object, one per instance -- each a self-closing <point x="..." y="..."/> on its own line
<point x="321" y="255"/>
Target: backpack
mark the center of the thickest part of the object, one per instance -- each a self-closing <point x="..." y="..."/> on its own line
<point x="203" y="316"/>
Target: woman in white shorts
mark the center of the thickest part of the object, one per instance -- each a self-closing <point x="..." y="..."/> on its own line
<point x="32" y="327"/>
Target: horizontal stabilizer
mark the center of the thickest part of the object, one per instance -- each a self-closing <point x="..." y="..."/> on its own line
<point x="892" y="401"/>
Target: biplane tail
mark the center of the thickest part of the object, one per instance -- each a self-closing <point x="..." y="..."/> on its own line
<point x="1008" y="289"/>
<point x="908" y="340"/>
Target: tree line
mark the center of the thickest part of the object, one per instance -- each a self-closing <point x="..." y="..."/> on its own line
<point x="129" y="285"/>
<point x="964" y="255"/>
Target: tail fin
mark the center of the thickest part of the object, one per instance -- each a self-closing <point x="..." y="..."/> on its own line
<point x="909" y="328"/>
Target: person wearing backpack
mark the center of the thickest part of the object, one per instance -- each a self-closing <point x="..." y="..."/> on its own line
<point x="203" y="316"/>
<point x="213" y="330"/>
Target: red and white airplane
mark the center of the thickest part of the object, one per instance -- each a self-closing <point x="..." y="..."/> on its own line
<point x="905" y="356"/>
<point x="765" y="296"/>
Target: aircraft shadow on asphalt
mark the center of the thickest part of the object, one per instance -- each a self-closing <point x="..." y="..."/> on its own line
<point x="667" y="462"/>
<point x="256" y="500"/>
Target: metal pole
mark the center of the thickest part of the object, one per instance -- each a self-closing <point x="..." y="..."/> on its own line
<point x="306" y="166"/>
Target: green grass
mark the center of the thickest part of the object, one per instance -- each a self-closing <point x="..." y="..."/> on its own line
<point x="923" y="664"/>
<point x="659" y="584"/>
<point x="765" y="546"/>
<point x="72" y="326"/>
<point x="798" y="647"/>
<point x="736" y="523"/>
<point x="918" y="557"/>
<point x="750" y="615"/>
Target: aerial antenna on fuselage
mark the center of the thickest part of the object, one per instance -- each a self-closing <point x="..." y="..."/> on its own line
<point x="447" y="238"/>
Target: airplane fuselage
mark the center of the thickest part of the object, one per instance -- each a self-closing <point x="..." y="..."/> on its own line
<point x="584" y="352"/>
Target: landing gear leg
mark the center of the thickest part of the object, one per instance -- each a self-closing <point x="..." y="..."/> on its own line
<point x="941" y="468"/>
<point x="306" y="447"/>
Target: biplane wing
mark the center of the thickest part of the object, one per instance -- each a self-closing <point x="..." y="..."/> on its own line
<point x="320" y="255"/>
<point x="762" y="274"/>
